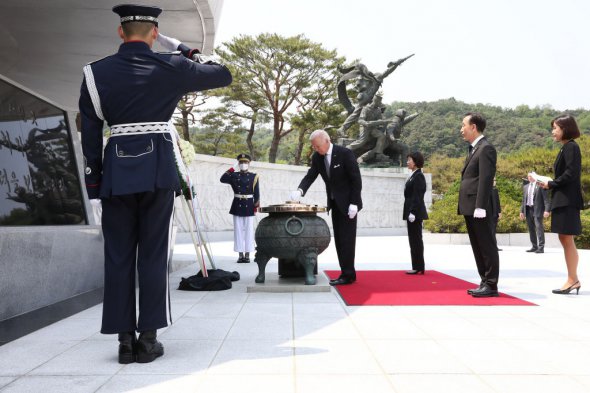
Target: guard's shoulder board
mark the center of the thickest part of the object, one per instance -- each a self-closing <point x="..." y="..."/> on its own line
<point x="97" y="60"/>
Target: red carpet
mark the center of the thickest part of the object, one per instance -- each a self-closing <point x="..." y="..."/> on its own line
<point x="395" y="288"/>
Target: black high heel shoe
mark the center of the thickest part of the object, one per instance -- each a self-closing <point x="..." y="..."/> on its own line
<point x="415" y="272"/>
<point x="568" y="290"/>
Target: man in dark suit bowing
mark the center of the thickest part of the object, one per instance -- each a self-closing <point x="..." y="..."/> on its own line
<point x="475" y="203"/>
<point x="338" y="168"/>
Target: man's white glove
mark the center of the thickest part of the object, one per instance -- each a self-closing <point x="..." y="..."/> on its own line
<point x="96" y="209"/>
<point x="352" y="210"/>
<point x="295" y="195"/>
<point x="479" y="213"/>
<point x="168" y="43"/>
<point x="411" y="217"/>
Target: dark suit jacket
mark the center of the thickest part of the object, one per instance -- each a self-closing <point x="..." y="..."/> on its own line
<point x="414" y="191"/>
<point x="496" y="207"/>
<point x="477" y="179"/>
<point x="566" y="187"/>
<point x="344" y="183"/>
<point x="541" y="201"/>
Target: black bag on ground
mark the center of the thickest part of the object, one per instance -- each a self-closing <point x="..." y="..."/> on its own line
<point x="218" y="280"/>
<point x="234" y="276"/>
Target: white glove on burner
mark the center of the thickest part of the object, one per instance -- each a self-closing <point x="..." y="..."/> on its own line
<point x="295" y="195"/>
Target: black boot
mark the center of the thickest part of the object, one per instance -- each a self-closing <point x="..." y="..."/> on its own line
<point x="241" y="258"/>
<point x="148" y="348"/>
<point x="127" y="350"/>
<point x="247" y="258"/>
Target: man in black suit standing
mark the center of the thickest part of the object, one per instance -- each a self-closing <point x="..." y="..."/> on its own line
<point x="338" y="168"/>
<point x="475" y="203"/>
<point x="535" y="205"/>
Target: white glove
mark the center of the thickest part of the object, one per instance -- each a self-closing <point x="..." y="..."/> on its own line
<point x="206" y="59"/>
<point x="96" y="209"/>
<point x="168" y="43"/>
<point x="479" y="213"/>
<point x="411" y="217"/>
<point x="352" y="210"/>
<point x="295" y="195"/>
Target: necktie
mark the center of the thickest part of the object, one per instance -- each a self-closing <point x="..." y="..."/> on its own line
<point x="470" y="149"/>
<point x="327" y="163"/>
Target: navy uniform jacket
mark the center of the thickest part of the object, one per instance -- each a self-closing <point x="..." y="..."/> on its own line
<point x="137" y="85"/>
<point x="242" y="183"/>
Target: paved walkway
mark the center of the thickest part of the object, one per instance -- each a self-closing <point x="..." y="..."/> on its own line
<point x="239" y="342"/>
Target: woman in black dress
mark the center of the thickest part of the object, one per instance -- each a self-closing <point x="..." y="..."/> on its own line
<point x="415" y="210"/>
<point x="566" y="196"/>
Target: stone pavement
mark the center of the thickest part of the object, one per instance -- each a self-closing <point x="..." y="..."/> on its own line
<point x="240" y="342"/>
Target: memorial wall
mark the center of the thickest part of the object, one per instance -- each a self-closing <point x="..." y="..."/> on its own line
<point x="39" y="182"/>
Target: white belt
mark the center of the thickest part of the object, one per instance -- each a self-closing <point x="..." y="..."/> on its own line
<point x="140" y="128"/>
<point x="240" y="196"/>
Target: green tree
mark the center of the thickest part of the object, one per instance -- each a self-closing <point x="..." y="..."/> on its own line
<point x="218" y="135"/>
<point x="277" y="71"/>
<point x="186" y="108"/>
<point x="249" y="108"/>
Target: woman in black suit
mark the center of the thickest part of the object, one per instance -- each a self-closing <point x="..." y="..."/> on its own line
<point x="415" y="210"/>
<point x="566" y="196"/>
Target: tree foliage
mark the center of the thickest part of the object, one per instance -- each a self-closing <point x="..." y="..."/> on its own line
<point x="437" y="129"/>
<point x="278" y="72"/>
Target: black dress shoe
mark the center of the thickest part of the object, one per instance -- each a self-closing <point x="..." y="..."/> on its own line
<point x="470" y="291"/>
<point x="533" y="249"/>
<point x="485" y="291"/>
<point x="127" y="347"/>
<point x="243" y="260"/>
<point x="539" y="251"/>
<point x="342" y="281"/>
<point x="148" y="348"/>
<point x="343" y="276"/>
<point x="415" y="272"/>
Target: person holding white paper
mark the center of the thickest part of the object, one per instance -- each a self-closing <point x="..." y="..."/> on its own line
<point x="566" y="196"/>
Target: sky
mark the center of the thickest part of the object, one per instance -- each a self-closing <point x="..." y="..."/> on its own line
<point x="500" y="52"/>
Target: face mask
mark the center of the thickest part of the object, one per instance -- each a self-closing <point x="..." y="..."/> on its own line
<point x="244" y="167"/>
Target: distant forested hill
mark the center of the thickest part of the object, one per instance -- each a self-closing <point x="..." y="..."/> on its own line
<point x="437" y="129"/>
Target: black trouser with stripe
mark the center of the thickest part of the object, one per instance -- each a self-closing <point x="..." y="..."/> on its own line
<point x="136" y="231"/>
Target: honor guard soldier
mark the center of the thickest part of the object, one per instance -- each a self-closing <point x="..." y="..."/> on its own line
<point x="246" y="200"/>
<point x="135" y="91"/>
